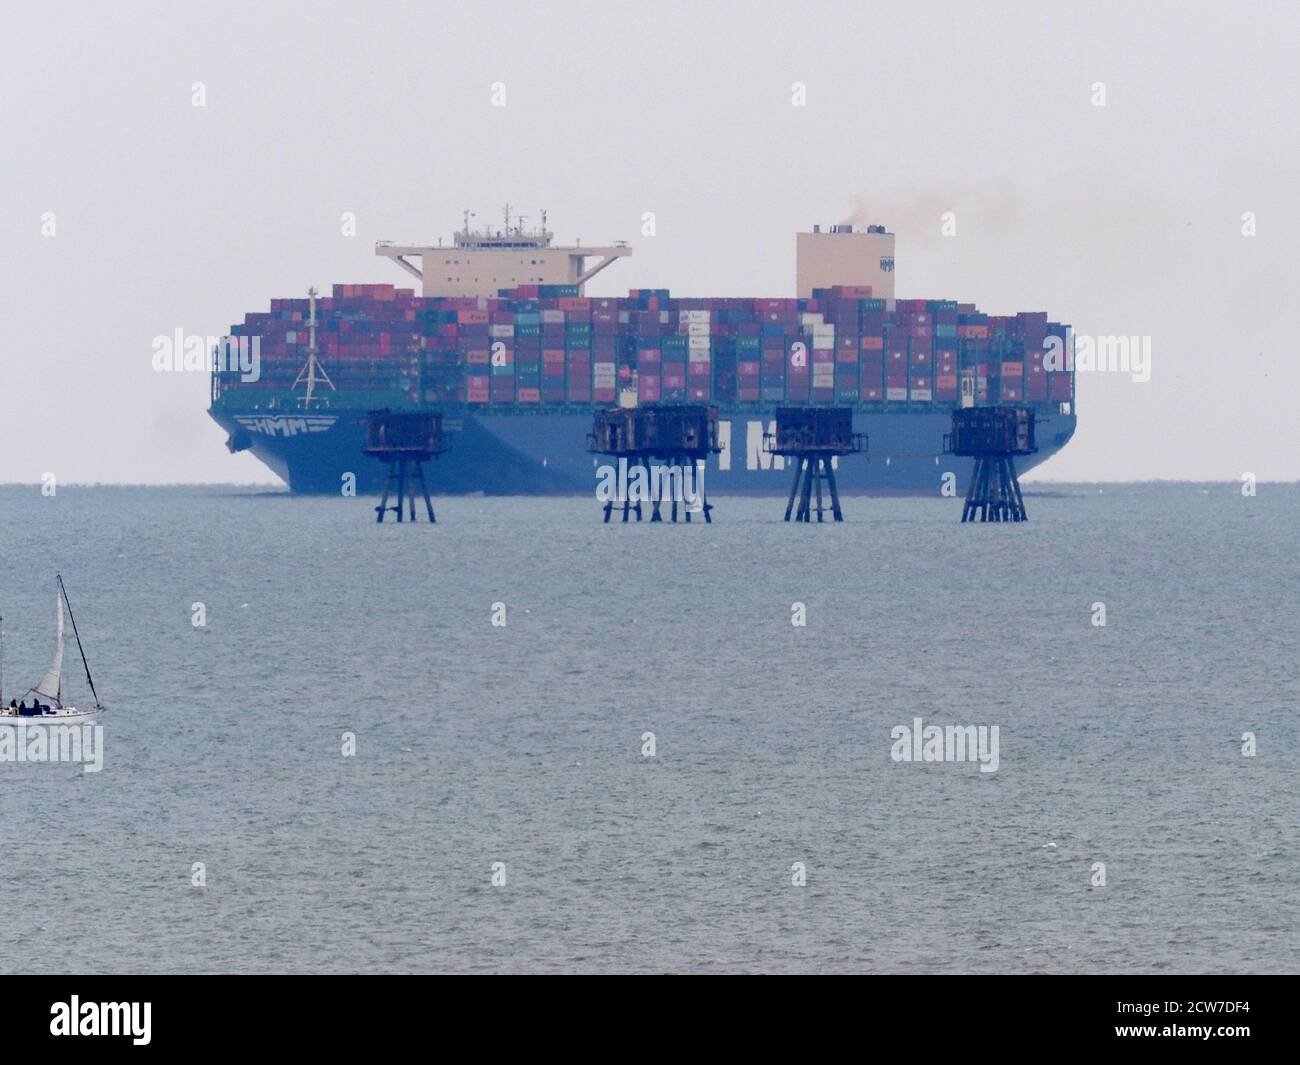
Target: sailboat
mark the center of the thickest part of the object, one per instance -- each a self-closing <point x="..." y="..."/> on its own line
<point x="51" y="685"/>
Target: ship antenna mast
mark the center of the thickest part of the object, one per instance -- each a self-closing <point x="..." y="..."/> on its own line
<point x="313" y="370"/>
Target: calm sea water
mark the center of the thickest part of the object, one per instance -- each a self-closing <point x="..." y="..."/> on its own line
<point x="522" y="744"/>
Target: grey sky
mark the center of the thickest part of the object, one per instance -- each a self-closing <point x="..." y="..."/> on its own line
<point x="1122" y="219"/>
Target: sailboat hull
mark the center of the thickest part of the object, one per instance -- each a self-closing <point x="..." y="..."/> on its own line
<point x="62" y="715"/>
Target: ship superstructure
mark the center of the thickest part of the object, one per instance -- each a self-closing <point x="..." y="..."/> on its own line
<point x="482" y="262"/>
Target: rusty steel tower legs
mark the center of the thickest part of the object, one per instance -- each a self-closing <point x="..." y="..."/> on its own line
<point x="814" y="438"/>
<point x="994" y="491"/>
<point x="656" y="496"/>
<point x="810" y="471"/>
<point x="404" y="481"/>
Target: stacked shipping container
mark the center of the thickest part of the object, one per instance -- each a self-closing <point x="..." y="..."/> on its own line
<point x="540" y="345"/>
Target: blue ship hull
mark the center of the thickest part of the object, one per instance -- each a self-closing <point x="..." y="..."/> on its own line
<point x="546" y="453"/>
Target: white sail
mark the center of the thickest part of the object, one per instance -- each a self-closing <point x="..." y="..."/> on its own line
<point x="49" y="685"/>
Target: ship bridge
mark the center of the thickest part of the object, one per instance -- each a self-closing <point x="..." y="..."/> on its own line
<point x="480" y="262"/>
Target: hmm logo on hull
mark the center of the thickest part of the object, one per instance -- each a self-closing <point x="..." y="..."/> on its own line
<point x="287" y="425"/>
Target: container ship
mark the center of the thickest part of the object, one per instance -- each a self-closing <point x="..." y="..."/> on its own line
<point x="501" y="340"/>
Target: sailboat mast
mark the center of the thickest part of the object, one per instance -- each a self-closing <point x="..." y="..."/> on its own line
<point x="84" y="663"/>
